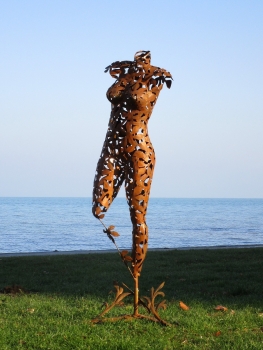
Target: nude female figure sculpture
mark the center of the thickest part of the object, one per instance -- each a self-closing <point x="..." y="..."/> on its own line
<point x="127" y="154"/>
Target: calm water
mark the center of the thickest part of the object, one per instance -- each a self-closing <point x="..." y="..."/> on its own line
<point x="64" y="224"/>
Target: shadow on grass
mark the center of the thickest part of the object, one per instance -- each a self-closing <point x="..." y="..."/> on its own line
<point x="232" y="276"/>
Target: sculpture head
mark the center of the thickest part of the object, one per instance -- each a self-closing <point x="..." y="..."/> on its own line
<point x="142" y="58"/>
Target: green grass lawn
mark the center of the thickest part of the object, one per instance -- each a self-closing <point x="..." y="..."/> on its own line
<point x="63" y="293"/>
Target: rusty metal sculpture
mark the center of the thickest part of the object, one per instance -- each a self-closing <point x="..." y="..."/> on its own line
<point x="128" y="156"/>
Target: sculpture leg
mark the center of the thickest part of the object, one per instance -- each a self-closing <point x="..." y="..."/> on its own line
<point x="137" y="185"/>
<point x="139" y="250"/>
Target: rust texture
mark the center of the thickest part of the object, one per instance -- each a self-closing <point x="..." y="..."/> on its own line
<point x="127" y="154"/>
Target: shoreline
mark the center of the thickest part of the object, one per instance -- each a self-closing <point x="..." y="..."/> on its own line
<point x="79" y="252"/>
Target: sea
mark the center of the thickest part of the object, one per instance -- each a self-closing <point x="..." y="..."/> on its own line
<point x="66" y="224"/>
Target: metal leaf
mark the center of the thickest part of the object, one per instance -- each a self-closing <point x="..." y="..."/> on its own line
<point x="160" y="286"/>
<point x="161" y="305"/>
<point x="97" y="210"/>
<point x="124" y="252"/>
<point x="168" y="83"/>
<point x="122" y="296"/>
<point x="128" y="258"/>
<point x="114" y="233"/>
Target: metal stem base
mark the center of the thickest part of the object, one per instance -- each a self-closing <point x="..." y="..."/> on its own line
<point x="147" y="302"/>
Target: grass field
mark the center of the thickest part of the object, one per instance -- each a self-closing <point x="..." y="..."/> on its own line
<point x="59" y="295"/>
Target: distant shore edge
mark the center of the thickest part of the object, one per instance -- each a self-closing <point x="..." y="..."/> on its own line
<point x="77" y="252"/>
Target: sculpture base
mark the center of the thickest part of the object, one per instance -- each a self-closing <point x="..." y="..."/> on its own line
<point x="129" y="318"/>
<point x="147" y="302"/>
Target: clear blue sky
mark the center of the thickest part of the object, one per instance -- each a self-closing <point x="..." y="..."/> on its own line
<point x="207" y="130"/>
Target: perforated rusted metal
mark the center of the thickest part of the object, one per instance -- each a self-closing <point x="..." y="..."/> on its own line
<point x="127" y="154"/>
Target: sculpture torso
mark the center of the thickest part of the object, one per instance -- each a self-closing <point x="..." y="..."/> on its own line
<point x="133" y="97"/>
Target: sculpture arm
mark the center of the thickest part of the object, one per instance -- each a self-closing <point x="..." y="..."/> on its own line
<point x="117" y="68"/>
<point x="161" y="76"/>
